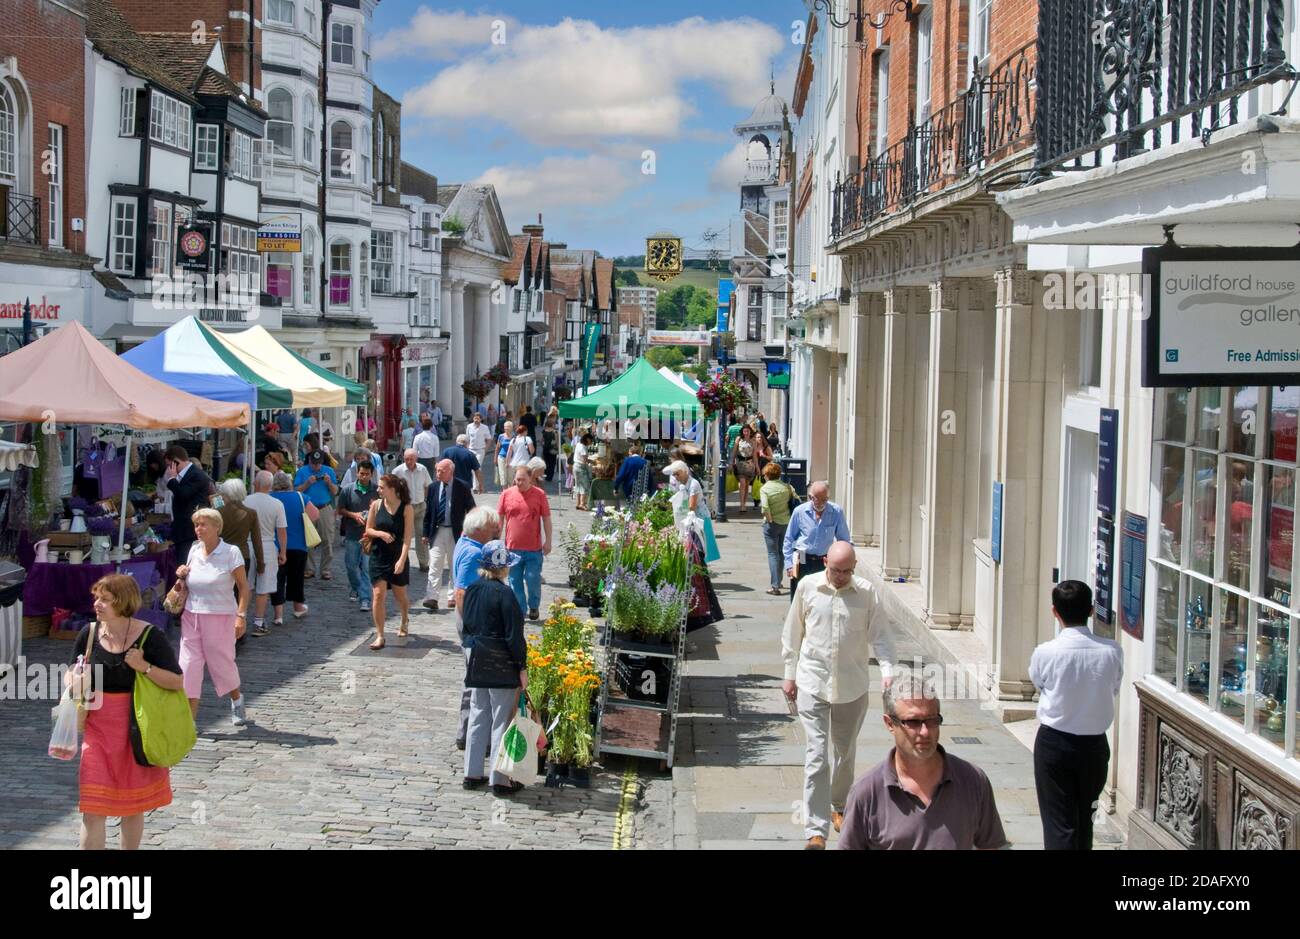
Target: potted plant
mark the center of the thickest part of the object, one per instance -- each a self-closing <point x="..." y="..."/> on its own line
<point x="562" y="683"/>
<point x="642" y="612"/>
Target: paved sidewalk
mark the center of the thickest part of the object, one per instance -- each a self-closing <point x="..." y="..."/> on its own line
<point x="738" y="780"/>
<point x="345" y="748"/>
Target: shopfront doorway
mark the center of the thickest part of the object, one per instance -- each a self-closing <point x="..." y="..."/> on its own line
<point x="1079" y="506"/>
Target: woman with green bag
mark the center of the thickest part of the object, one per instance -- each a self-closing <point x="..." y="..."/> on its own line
<point x="119" y="651"/>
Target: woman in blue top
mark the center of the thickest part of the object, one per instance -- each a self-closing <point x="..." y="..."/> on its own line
<point x="503" y="449"/>
<point x="290" y="579"/>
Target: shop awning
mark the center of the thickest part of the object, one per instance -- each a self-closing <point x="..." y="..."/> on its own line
<point x="70" y="377"/>
<point x="640" y="387"/>
<point x="273" y="364"/>
<point x="185" y="357"/>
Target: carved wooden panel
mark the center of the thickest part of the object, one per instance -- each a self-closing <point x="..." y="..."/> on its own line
<point x="1258" y="824"/>
<point x="1180" y="787"/>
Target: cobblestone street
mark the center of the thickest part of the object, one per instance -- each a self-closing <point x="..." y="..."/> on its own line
<point x="345" y="748"/>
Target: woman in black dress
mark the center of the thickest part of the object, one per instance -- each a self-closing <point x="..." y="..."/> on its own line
<point x="388" y="531"/>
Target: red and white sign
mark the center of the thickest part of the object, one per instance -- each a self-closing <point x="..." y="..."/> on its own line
<point x="679" y="337"/>
<point x="42" y="310"/>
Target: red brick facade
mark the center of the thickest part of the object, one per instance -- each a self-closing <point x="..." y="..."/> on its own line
<point x="152" y="16"/>
<point x="48" y="42"/>
<point x="1013" y="25"/>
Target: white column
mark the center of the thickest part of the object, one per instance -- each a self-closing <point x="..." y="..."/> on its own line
<point x="485" y="337"/>
<point x="862" y="430"/>
<point x="906" y="327"/>
<point x="446" y="389"/>
<point x="455" y="404"/>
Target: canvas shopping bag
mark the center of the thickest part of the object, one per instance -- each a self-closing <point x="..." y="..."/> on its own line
<point x="517" y="756"/>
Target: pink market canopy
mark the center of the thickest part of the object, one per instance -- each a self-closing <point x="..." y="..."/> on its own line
<point x="70" y="377"/>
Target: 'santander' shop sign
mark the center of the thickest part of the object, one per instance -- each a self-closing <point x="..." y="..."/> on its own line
<point x="1221" y="316"/>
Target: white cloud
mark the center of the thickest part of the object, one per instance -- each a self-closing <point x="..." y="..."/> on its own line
<point x="576" y="81"/>
<point x="443" y="36"/>
<point x="560" y="184"/>
<point x="728" y="171"/>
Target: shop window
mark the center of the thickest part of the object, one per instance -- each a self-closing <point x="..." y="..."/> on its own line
<point x="1224" y="609"/>
<point x="279" y="276"/>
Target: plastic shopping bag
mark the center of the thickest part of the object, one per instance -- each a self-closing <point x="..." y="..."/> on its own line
<point x="63" y="741"/>
<point x="517" y="756"/>
<point x="732" y="484"/>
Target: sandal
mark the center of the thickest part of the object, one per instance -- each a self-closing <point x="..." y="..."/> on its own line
<point x="307" y="575"/>
<point x="327" y="576"/>
<point x="403" y="631"/>
<point x="377" y="644"/>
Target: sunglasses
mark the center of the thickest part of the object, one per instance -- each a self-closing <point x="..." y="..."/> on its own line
<point x="915" y="724"/>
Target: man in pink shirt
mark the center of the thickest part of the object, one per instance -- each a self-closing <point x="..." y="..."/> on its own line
<point x="525" y="513"/>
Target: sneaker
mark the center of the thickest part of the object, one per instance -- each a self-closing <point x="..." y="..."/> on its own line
<point x="352" y="595"/>
<point x="299" y="614"/>
<point x="365" y="606"/>
<point x="237" y="715"/>
<point x="261" y="629"/>
<point x="473" y="782"/>
<point x="278" y="622"/>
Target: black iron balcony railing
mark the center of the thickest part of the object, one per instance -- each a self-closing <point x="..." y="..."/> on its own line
<point x="992" y="119"/>
<point x="20" y="217"/>
<point x="1122" y="77"/>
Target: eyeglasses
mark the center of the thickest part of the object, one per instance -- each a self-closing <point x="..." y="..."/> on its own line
<point x="841" y="570"/>
<point x="916" y="723"/>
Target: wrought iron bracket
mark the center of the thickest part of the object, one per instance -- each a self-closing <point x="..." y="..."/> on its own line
<point x="1169" y="236"/>
<point x="864" y="18"/>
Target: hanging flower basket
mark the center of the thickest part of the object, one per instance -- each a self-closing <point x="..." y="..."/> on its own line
<point x="723" y="394"/>
<point x="498" y="374"/>
<point x="477" y="388"/>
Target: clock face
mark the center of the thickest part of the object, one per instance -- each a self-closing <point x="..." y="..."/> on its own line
<point x="664" y="255"/>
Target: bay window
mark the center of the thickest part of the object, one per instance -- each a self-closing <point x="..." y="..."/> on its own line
<point x="280" y="11"/>
<point x="169" y="121"/>
<point x="308" y="267"/>
<point x="279" y="276"/>
<point x="341" y="44"/>
<point x="341" y="274"/>
<point x="341" y="155"/>
<point x="279" y="128"/>
<point x="206" y="137"/>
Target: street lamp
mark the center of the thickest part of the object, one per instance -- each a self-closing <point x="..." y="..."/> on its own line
<point x="892" y="7"/>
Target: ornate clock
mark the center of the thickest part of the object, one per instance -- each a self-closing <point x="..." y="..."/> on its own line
<point x="663" y="257"/>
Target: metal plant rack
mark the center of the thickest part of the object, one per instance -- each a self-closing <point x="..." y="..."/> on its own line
<point x="659" y="748"/>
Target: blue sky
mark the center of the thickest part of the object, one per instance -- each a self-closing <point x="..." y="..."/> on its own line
<point x="559" y="111"/>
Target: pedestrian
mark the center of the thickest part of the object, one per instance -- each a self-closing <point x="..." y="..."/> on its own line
<point x="744" y="465"/>
<point x="319" y="485"/>
<point x="529" y="421"/>
<point x="272" y="530"/>
<point x="551" y="443"/>
<point x="305" y="426"/>
<point x="836" y="621"/>
<point x="287" y="421"/>
<point x="496" y="670"/>
<point x="491" y="415"/>
<point x="448" y="503"/>
<point x="1078" y="675"/>
<point x="418" y="480"/>
<point x="631" y="472"/>
<point x="920" y="797"/>
<point x="814" y="526"/>
<point x="762" y="425"/>
<point x="408" y="430"/>
<point x="773" y="441"/>
<point x="775" y="500"/>
<point x="428" y="448"/>
<point x="522" y="449"/>
<point x="466" y="463"/>
<point x="359" y="456"/>
<point x="537" y="466"/>
<point x="733" y="431"/>
<point x="290" y="578"/>
<point x="110" y="781"/>
<point x="502" y="451"/>
<point x="436" y="414"/>
<point x="479" y="436"/>
<point x="189" y="487"/>
<point x="482" y="525"/>
<point x="213" y="621"/>
<point x="503" y="418"/>
<point x="582" y="471"/>
<point x="526" y="528"/>
<point x="239" y="527"/>
<point x="389" y="528"/>
<point x="354" y="507"/>
<point x="687" y="497"/>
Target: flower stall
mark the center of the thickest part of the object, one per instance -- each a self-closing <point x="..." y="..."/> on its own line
<point x="562" y="684"/>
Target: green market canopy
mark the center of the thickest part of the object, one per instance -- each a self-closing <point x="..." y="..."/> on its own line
<point x="640" y="392"/>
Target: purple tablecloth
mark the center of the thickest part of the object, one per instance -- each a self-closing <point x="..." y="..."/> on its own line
<point x="67" y="586"/>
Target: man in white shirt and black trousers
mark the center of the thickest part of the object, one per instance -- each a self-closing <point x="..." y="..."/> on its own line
<point x="1078" y="676"/>
<point x="836" y="621"/>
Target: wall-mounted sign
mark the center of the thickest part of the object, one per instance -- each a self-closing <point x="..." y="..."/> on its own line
<point x="1103" y="595"/>
<point x="1221" y="316"/>
<point x="725" y="289"/>
<point x="1132" y="573"/>
<point x="43" y="311"/>
<point x="997" y="523"/>
<point x="280" y="231"/>
<point x="1107" y="451"/>
<point x="778" y="374"/>
<point x="679" y="337"/>
<point x="192" y="243"/>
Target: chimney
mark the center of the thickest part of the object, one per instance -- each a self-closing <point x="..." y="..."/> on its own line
<point x="537" y="229"/>
<point x="559" y="246"/>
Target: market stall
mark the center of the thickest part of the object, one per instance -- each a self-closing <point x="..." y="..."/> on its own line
<point x="69" y="377"/>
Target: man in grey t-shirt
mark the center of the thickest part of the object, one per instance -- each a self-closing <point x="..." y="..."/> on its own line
<point x="920" y="797"/>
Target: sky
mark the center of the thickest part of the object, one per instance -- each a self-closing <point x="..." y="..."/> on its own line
<point x="612" y="119"/>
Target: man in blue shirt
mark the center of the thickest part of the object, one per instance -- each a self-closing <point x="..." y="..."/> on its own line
<point x="814" y="526"/>
<point x="319" y="484"/>
<point x="633" y="466"/>
<point x="482" y="525"/>
<point x="464" y="459"/>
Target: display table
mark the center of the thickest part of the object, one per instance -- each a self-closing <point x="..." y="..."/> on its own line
<point x="67" y="586"/>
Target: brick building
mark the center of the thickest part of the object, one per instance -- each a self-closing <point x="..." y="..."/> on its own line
<point x="42" y="165"/>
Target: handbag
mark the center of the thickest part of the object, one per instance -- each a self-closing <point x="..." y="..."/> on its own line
<point x="162" y="725"/>
<point x="309" y="532"/>
<point x="517" y="755"/>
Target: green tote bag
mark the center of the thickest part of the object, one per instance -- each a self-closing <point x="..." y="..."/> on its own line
<point x="163" y="732"/>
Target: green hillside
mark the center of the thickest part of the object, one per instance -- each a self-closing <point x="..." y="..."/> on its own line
<point x="708" y="280"/>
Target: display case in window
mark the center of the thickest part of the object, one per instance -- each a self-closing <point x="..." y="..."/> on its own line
<point x="1272" y="650"/>
<point x="1166" y="624"/>
<point x="1233" y="631"/>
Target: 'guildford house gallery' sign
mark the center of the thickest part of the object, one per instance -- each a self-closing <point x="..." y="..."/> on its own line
<point x="1221" y="316"/>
